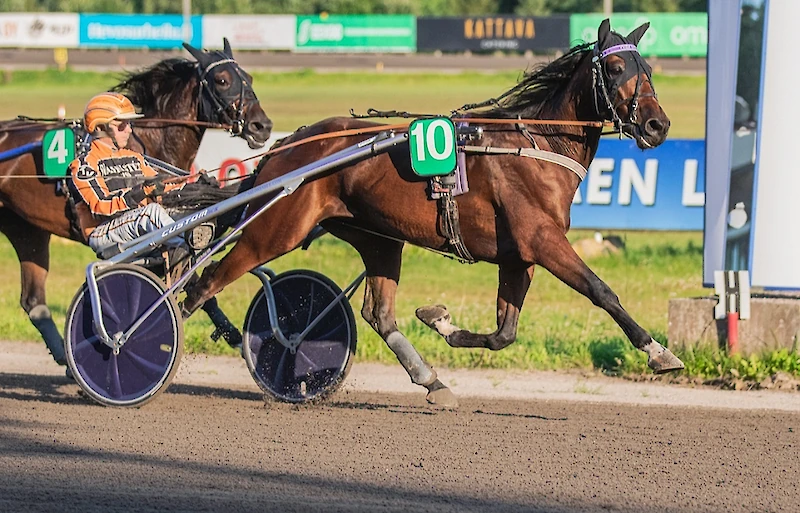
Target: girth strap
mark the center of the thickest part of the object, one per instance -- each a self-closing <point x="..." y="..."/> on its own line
<point x="547" y="156"/>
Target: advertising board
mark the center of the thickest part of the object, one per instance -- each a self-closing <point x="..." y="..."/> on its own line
<point x="38" y="30"/>
<point x="669" y="35"/>
<point x="490" y="33"/>
<point x="250" y="32"/>
<point x="630" y="189"/>
<point x="368" y="33"/>
<point x="229" y="157"/>
<point x="137" y="30"/>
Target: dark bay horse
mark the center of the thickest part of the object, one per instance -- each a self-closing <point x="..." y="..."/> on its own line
<point x="515" y="215"/>
<point x="212" y="90"/>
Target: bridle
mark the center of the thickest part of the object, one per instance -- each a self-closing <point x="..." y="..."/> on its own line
<point x="608" y="111"/>
<point x="228" y="109"/>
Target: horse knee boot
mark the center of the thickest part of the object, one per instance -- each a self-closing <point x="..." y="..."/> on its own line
<point x="43" y="321"/>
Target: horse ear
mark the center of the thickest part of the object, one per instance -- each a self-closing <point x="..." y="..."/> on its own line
<point x="636" y="34"/>
<point x="199" y="55"/>
<point x="226" y="48"/>
<point x="604" y="30"/>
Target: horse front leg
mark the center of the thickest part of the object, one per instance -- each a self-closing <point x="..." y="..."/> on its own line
<point x="32" y="245"/>
<point x="514" y="281"/>
<point x="555" y="254"/>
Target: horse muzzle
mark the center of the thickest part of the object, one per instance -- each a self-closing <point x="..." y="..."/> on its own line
<point x="257" y="129"/>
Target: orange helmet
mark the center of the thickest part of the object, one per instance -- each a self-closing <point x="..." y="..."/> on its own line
<point x="106" y="107"/>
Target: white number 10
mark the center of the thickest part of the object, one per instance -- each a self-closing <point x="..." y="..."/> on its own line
<point x="426" y="143"/>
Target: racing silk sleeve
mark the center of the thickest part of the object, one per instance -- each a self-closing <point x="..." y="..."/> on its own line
<point x="110" y="182"/>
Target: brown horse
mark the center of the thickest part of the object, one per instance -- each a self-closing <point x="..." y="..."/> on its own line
<point x="212" y="90"/>
<point x="516" y="213"/>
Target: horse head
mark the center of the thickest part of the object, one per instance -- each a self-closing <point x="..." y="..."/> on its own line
<point x="624" y="91"/>
<point x="227" y="96"/>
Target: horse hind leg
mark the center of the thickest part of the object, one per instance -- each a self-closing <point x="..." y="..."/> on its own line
<point x="223" y="327"/>
<point x="378" y="311"/>
<point x="514" y="282"/>
<point x="32" y="247"/>
<point x="382" y="259"/>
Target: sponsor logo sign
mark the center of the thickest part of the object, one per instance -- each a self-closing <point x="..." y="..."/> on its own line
<point x="669" y="35"/>
<point x="250" y="32"/>
<point x="489" y="33"/>
<point x="388" y="33"/>
<point x="38" y="30"/>
<point x="230" y="158"/>
<point x="630" y="189"/>
<point x="137" y="31"/>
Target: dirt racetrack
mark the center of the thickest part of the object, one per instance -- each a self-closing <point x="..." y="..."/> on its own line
<point x="220" y="447"/>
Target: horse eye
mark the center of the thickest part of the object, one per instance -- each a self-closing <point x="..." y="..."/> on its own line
<point x="615" y="69"/>
<point x="221" y="81"/>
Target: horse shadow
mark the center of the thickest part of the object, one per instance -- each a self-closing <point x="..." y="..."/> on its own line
<point x="39" y="388"/>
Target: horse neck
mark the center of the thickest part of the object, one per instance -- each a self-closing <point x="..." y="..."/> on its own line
<point x="574" y="103"/>
<point x="175" y="144"/>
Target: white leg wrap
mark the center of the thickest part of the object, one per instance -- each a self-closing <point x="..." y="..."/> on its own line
<point x="419" y="371"/>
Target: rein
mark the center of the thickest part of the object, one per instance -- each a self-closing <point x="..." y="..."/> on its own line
<point x="165" y="122"/>
<point x="361" y="131"/>
<point x="401" y="126"/>
<point x="46" y="124"/>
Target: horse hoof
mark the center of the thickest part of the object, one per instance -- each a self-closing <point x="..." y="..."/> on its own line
<point x="441" y="396"/>
<point x="665" y="362"/>
<point x="432" y="314"/>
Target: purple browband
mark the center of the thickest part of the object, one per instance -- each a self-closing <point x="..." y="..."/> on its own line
<point x="627" y="47"/>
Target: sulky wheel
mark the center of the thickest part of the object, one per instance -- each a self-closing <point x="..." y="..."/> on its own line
<point x="322" y="360"/>
<point x="148" y="360"/>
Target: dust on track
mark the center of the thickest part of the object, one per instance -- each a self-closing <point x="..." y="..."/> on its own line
<point x="215" y="448"/>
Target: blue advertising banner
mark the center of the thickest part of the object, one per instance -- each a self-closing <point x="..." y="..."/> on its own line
<point x="137" y="31"/>
<point x="630" y="189"/>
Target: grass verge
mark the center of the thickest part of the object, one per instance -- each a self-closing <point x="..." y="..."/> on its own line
<point x="559" y="329"/>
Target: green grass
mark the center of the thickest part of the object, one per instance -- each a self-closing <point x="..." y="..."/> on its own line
<point x="558" y="327"/>
<point x="301" y="98"/>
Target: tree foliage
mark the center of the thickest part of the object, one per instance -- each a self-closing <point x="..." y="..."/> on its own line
<point x="416" y="7"/>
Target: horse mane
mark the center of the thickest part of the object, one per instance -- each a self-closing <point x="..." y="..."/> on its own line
<point x="154" y="88"/>
<point x="536" y="87"/>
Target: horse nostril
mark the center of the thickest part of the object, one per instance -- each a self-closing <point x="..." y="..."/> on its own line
<point x="654" y="126"/>
<point x="258" y="127"/>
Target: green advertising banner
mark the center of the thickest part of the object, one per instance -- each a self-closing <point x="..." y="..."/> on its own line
<point x="669" y="35"/>
<point x="387" y="33"/>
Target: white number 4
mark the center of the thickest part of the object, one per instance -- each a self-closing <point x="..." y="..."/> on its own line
<point x="58" y="148"/>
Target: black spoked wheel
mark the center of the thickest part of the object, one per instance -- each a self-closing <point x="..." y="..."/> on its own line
<point x="149" y="359"/>
<point x="322" y="360"/>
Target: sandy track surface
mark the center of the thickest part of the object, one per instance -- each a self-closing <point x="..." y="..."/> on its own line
<point x="211" y="443"/>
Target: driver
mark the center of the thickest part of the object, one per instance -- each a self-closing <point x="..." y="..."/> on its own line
<point x="120" y="194"/>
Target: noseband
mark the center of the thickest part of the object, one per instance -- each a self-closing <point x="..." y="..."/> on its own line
<point x="601" y="88"/>
<point x="213" y="102"/>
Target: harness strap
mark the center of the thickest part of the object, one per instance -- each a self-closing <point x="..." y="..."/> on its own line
<point x="62" y="187"/>
<point x="525" y="132"/>
<point x="450" y="227"/>
<point x="548" y="156"/>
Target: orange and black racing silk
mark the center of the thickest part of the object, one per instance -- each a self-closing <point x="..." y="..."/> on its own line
<point x="109" y="180"/>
